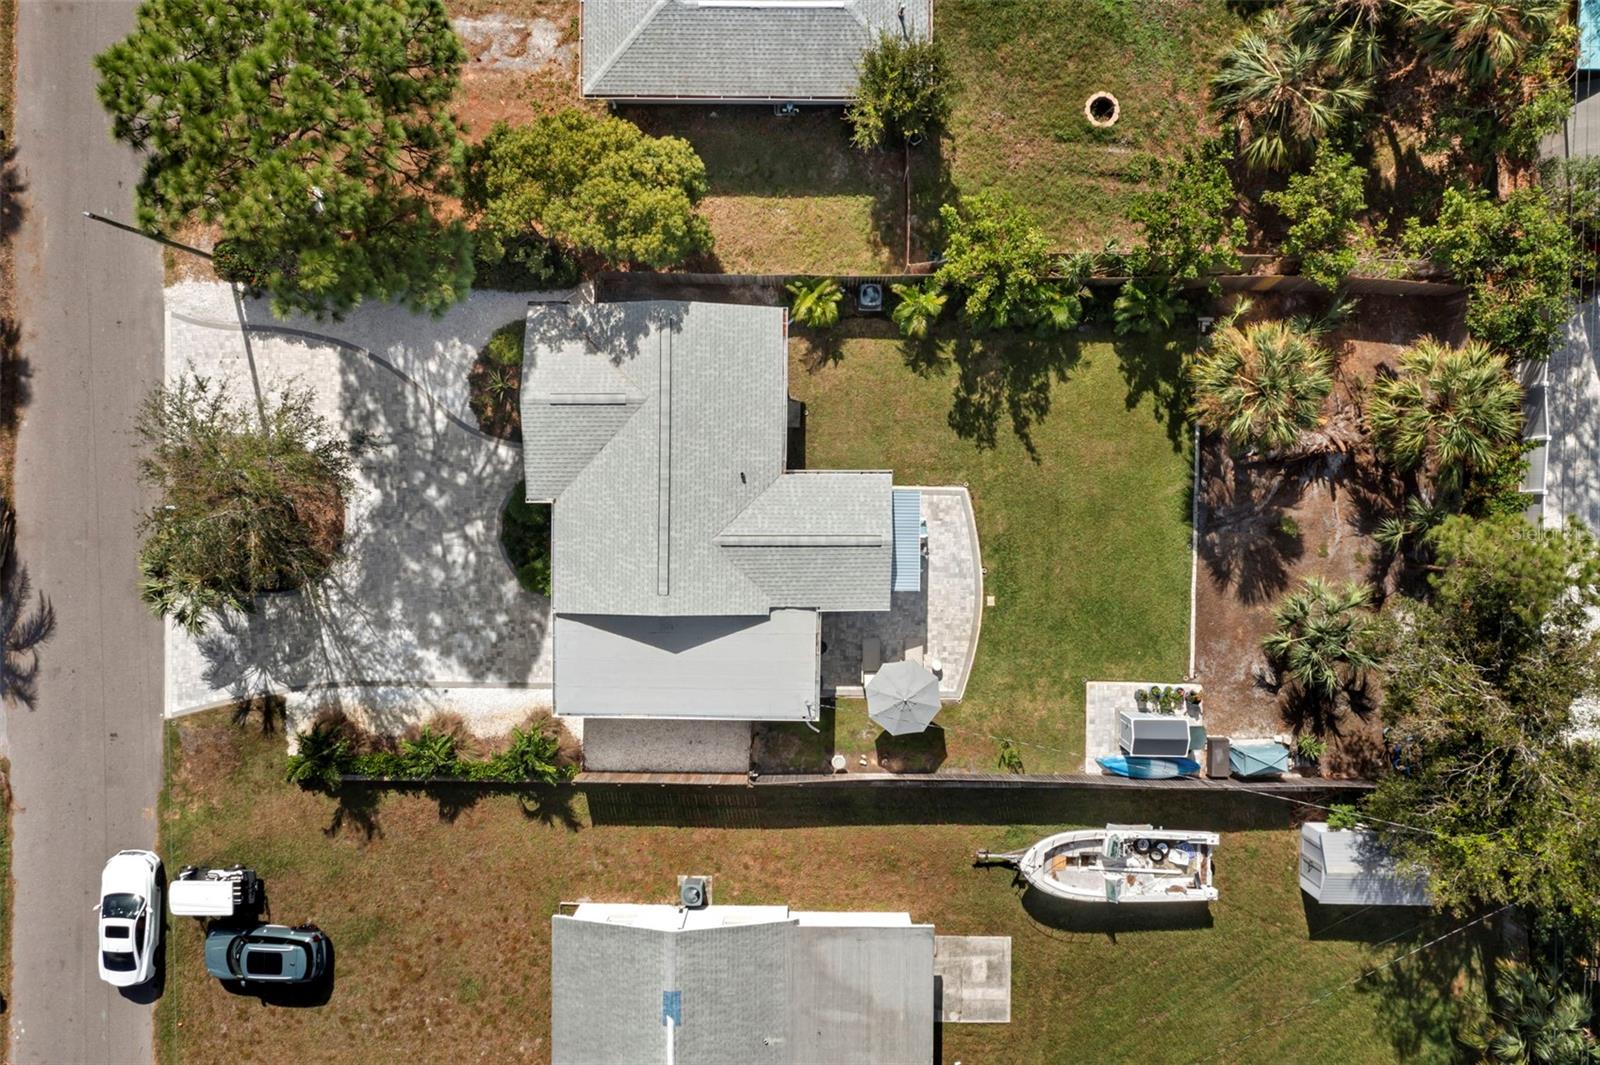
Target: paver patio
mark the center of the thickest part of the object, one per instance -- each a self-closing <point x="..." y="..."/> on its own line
<point x="943" y="619"/>
<point x="422" y="612"/>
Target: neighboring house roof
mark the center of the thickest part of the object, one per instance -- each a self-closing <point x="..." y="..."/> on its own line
<point x="1352" y="867"/>
<point x="736" y="49"/>
<point x="658" y="429"/>
<point x="734" y="668"/>
<point x="747" y="984"/>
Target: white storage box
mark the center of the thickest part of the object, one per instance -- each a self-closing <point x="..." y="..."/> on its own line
<point x="200" y="898"/>
<point x="1153" y="735"/>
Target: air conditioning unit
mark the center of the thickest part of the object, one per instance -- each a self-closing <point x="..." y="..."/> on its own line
<point x="694" y="892"/>
<point x="869" y="297"/>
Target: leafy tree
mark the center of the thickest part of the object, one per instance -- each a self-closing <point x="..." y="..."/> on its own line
<point x="1191" y="224"/>
<point x="248" y="503"/>
<point x="1573" y="188"/>
<point x="904" y="92"/>
<point x="1326" y="638"/>
<point x="1479" y="691"/>
<point x="1538" y="1018"/>
<point x="996" y="258"/>
<point x="1449" y="410"/>
<point x="1324" y="207"/>
<point x="1282" y="92"/>
<point x="814" y="303"/>
<point x="1515" y="257"/>
<point x="1482" y="39"/>
<point x="22" y="630"/>
<point x="918" y="308"/>
<point x="1262" y="385"/>
<point x="589" y="183"/>
<point x="320" y="151"/>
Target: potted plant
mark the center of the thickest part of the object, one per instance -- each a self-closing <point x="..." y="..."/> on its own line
<point x="1141" y="697"/>
<point x="1194" y="698"/>
<point x="1310" y="748"/>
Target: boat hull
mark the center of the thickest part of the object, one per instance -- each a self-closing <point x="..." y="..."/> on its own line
<point x="1149" y="768"/>
<point x="1036" y="867"/>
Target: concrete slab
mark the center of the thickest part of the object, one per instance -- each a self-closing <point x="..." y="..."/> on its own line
<point x="972" y="979"/>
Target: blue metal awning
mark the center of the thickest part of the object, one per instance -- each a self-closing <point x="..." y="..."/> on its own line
<point x="907" y="569"/>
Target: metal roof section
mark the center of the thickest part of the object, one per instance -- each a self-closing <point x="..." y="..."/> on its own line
<point x="907" y="567"/>
<point x="752" y="50"/>
<point x="754" y="984"/>
<point x="1352" y="867"/>
<point x="706" y="668"/>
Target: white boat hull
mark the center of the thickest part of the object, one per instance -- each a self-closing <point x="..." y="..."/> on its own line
<point x="1080" y="866"/>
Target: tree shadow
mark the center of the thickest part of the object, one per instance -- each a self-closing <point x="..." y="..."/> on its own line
<point x="1363" y="924"/>
<point x="271" y="710"/>
<point x="792" y="746"/>
<point x="12" y="192"/>
<point x="1010" y="376"/>
<point x="1152" y="366"/>
<point x="26" y="623"/>
<point x="16" y="376"/>
<point x="355" y="810"/>
<point x="1431" y="996"/>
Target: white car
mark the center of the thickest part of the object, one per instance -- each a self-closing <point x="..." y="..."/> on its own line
<point x="130" y="918"/>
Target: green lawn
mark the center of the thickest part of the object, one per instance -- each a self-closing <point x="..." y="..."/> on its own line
<point x="1085" y="543"/>
<point x="438" y="908"/>
<point x="1026" y="71"/>
<point x="793" y="195"/>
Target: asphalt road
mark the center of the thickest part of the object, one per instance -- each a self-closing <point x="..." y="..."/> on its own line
<point x="86" y="761"/>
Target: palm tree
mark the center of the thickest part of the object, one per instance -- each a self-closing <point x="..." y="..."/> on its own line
<point x="22" y="631"/>
<point x="816" y="302"/>
<point x="1326" y="636"/>
<point x="1482" y="38"/>
<point x="1263" y="385"/>
<point x="1449" y="410"/>
<point x="919" y="307"/>
<point x="1282" y="91"/>
<point x="1538" y="1020"/>
<point x="1352" y="32"/>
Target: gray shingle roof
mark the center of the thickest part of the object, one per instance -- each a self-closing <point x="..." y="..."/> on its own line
<point x="658" y="429"/>
<point x="736" y="49"/>
<point x="777" y="992"/>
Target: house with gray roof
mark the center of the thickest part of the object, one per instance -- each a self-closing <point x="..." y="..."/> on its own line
<point x="690" y="565"/>
<point x="735" y="51"/>
<point x="741" y="985"/>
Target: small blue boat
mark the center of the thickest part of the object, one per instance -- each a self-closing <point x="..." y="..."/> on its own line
<point x="1149" y="768"/>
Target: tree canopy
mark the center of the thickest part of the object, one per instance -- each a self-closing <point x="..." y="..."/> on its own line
<point x="904" y="92"/>
<point x="999" y="261"/>
<point x="1190" y="222"/>
<point x="591" y="183"/>
<point x="315" y="133"/>
<point x="248" y="501"/>
<point x="1323" y="206"/>
<point x="1479" y="698"/>
<point x="1262" y="385"/>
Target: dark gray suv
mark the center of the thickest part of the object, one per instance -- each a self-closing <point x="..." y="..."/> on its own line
<point x="267" y="954"/>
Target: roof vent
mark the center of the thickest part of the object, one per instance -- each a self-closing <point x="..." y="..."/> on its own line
<point x="694" y="892"/>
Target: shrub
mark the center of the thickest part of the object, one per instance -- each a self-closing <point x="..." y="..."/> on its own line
<point x="904" y="91"/>
<point x="324" y="752"/>
<point x="1010" y="760"/>
<point x="592" y="184"/>
<point x="1191" y="224"/>
<point x="997" y="259"/>
<point x="1572" y="187"/>
<point x="249" y="502"/>
<point x="525" y="535"/>
<point x="522" y="264"/>
<point x="1147" y="305"/>
<point x="495" y="382"/>
<point x="540" y="750"/>
<point x="1323" y="207"/>
<point x="918" y="308"/>
<point x="1310" y="746"/>
<point x="1516" y="259"/>
<point x="1326" y="638"/>
<point x="815" y="302"/>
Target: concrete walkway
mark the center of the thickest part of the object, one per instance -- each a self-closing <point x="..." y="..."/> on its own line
<point x="423" y="613"/>
<point x="86" y="759"/>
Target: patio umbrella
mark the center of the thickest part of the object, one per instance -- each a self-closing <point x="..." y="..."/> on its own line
<point x="903" y="697"/>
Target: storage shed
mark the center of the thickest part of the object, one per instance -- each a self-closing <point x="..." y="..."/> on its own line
<point x="1352" y="867"/>
<point x="1153" y="735"/>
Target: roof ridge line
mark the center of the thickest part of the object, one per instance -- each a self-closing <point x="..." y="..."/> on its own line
<point x="627" y="42"/>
